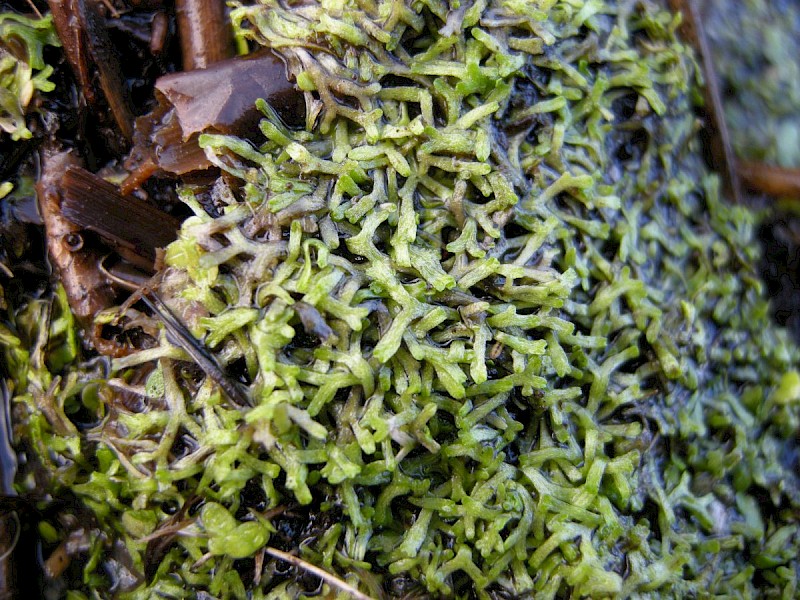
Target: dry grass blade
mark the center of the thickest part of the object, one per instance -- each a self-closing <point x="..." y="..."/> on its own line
<point x="321" y="573"/>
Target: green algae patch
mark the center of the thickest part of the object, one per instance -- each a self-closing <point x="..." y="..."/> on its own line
<point x="499" y="333"/>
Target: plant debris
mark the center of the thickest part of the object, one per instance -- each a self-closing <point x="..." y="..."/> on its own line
<point x="205" y="33"/>
<point x="94" y="62"/>
<point x="23" y="71"/>
<point x="498" y="332"/>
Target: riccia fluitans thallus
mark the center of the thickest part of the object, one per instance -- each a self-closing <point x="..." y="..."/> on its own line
<point x="500" y="334"/>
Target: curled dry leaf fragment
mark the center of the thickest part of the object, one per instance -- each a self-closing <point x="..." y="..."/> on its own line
<point x="220" y="99"/>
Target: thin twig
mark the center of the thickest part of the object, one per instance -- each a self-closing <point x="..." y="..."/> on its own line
<point x="321" y="573"/>
<point x="205" y="33"/>
<point x="15" y="540"/>
<point x="114" y="12"/>
<point x="34" y="9"/>
<point x="179" y="335"/>
<point x="721" y="147"/>
<point x="125" y="461"/>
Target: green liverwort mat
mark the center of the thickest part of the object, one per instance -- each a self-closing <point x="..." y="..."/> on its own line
<point x="501" y="335"/>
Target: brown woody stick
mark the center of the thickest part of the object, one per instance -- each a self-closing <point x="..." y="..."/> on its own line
<point x="205" y="34"/>
<point x="769" y="179"/>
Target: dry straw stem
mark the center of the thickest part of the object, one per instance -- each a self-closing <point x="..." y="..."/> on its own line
<point x="321" y="573"/>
